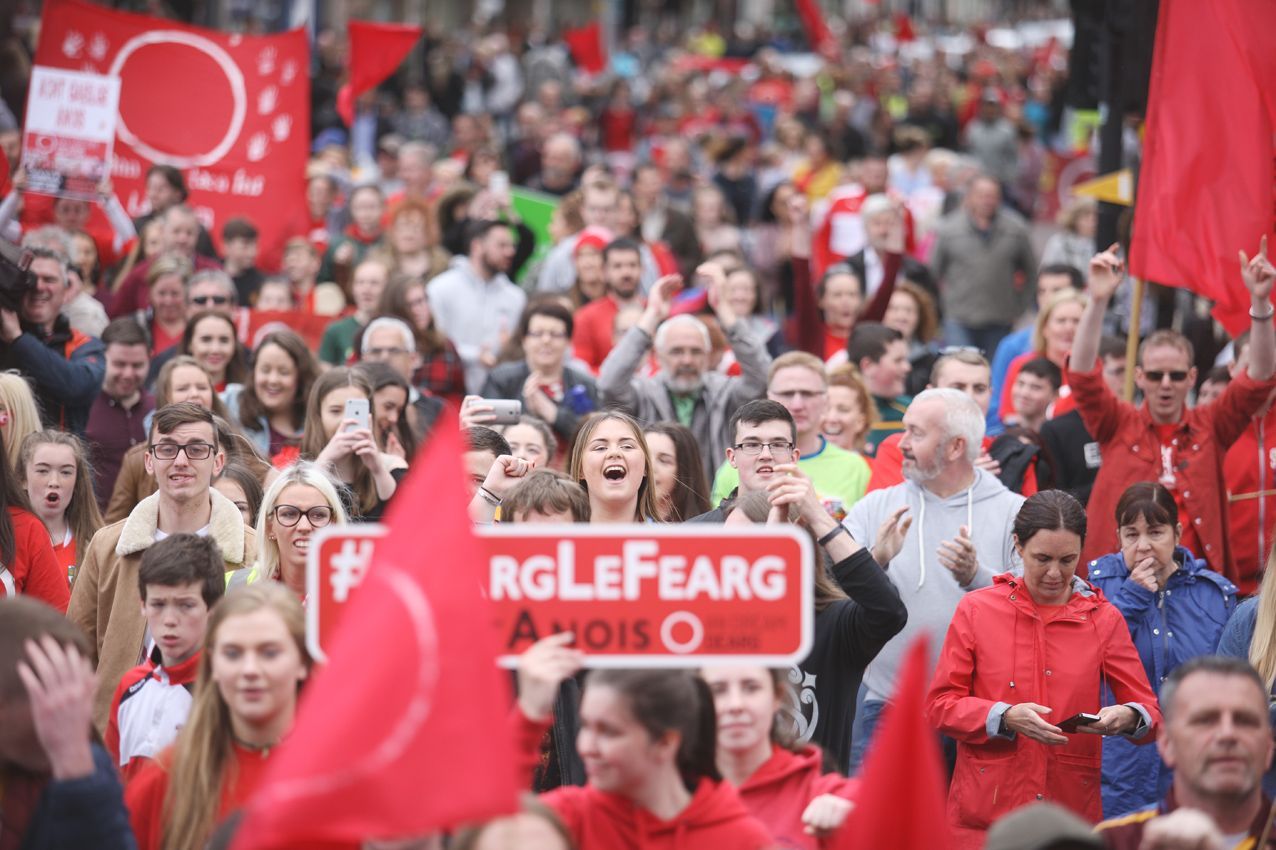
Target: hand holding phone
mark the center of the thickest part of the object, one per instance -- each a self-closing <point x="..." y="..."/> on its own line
<point x="505" y="411"/>
<point x="357" y="409"/>
<point x="1081" y="718"/>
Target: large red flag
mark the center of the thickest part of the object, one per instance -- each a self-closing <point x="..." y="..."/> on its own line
<point x="814" y="24"/>
<point x="405" y="729"/>
<point x="231" y="111"/>
<point x="1206" y="183"/>
<point x="901" y="803"/>
<point x="376" y="50"/>
<point x="586" y="46"/>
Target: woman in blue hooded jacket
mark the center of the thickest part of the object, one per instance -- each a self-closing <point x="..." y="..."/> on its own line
<point x="1176" y="609"/>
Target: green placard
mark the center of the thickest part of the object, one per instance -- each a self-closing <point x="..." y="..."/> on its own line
<point x="535" y="209"/>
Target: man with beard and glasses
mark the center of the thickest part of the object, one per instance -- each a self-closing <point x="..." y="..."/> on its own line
<point x="942" y="532"/>
<point x="685" y="389"/>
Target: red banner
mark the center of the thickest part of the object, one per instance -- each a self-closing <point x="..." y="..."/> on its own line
<point x="376" y="51"/>
<point x="653" y="595"/>
<point x="1206" y="184"/>
<point x="231" y="111"/>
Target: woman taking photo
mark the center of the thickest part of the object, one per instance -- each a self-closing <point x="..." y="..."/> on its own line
<point x="251" y="670"/>
<point x="348" y="451"/>
<point x="302" y="500"/>
<point x="647" y="741"/>
<point x="54" y="469"/>
<point x="682" y="490"/>
<point x="1021" y="660"/>
<point x="391" y="394"/>
<point x="1164" y="592"/>
<point x="1052" y="339"/>
<point x="550" y="389"/>
<point x="210" y="339"/>
<point x="610" y="460"/>
<point x="271" y="407"/>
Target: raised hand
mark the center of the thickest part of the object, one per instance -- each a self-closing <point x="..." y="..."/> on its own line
<point x="660" y="302"/>
<point x="1259" y="274"/>
<point x="1107" y="270"/>
<point x="542" y="667"/>
<point x="60" y="684"/>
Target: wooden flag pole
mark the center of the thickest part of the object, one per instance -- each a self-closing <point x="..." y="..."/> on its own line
<point x="1132" y="339"/>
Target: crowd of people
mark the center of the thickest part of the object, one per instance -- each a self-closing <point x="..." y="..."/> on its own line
<point x="768" y="298"/>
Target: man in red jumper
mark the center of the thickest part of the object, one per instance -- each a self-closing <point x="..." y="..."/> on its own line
<point x="1250" y="473"/>
<point x="622" y="270"/>
<point x="1164" y="440"/>
<point x="181" y="578"/>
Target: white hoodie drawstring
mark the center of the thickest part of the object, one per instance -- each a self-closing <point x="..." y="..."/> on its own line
<point x="921" y="529"/>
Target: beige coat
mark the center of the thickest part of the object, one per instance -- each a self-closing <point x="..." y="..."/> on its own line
<point x="105" y="601"/>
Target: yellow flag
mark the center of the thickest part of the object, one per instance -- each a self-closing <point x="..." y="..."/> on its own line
<point x="1114" y="188"/>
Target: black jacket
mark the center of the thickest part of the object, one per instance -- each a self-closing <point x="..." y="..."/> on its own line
<point x="848" y="635"/>
<point x="74" y="814"/>
<point x="507" y="379"/>
<point x="1073" y="455"/>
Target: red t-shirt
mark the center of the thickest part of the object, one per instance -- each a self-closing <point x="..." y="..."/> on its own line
<point x="162" y="340"/>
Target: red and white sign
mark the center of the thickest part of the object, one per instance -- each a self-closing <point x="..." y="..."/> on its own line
<point x="231" y="111"/>
<point x="69" y="132"/>
<point x="635" y="596"/>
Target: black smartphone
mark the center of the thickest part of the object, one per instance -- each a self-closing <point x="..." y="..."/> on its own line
<point x="1080" y="719"/>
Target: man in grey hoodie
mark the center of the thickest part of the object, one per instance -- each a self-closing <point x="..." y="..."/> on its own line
<point x="944" y="531"/>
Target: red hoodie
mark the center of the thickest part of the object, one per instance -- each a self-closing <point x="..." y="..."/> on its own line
<point x="779" y="791"/>
<point x="597" y="820"/>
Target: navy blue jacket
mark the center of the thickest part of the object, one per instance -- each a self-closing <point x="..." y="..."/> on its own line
<point x="76" y="814"/>
<point x="1169" y="627"/>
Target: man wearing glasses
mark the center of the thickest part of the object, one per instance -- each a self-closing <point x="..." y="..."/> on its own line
<point x="763" y="437"/>
<point x="184" y="457"/>
<point x="798" y="382"/>
<point x="1163" y="440"/>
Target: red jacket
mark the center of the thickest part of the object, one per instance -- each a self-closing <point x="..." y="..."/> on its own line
<point x="592" y="337"/>
<point x="597" y="820"/>
<point x="35" y="571"/>
<point x="1249" y="471"/>
<point x="1131" y="452"/>
<point x="1000" y="652"/>
<point x="779" y="791"/>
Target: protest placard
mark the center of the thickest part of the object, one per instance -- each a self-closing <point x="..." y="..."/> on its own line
<point x="69" y="133"/>
<point x="634" y="596"/>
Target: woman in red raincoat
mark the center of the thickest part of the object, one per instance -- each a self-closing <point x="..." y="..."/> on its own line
<point x="1020" y="659"/>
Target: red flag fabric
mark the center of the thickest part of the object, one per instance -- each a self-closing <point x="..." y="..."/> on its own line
<point x="1206" y="183"/>
<point x="813" y="23"/>
<point x="586" y="46"/>
<point x="232" y="112"/>
<point x="405" y="730"/>
<point x="376" y="51"/>
<point x="902" y="799"/>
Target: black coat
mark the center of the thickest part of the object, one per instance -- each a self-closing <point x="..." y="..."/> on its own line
<point x="507" y="379"/>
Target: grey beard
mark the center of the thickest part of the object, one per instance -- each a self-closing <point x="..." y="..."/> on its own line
<point x="919" y="474"/>
<point x="683" y="386"/>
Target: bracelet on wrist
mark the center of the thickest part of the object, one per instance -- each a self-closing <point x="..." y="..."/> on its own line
<point x="1271" y="311"/>
<point x="828" y="538"/>
<point x="489" y="497"/>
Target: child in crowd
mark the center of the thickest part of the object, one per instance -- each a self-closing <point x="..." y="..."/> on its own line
<point x="181" y="578"/>
<point x="54" y="469"/>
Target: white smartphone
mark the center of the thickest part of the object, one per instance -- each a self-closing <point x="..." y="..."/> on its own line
<point x="499" y="184"/>
<point x="357" y="409"/>
<point x="505" y="411"/>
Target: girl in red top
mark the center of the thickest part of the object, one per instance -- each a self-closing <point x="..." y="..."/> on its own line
<point x="27" y="563"/>
<point x="54" y="469"/>
<point x="253" y="664"/>
<point x="165" y="318"/>
<point x="647" y="742"/>
<point x="783" y="786"/>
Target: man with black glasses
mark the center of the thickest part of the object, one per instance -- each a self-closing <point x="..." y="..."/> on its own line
<point x="1164" y="440"/>
<point x="184" y="457"/>
<point x="763" y="437"/>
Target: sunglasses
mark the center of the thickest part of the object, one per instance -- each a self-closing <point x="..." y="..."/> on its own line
<point x="219" y="300"/>
<point x="1157" y="375"/>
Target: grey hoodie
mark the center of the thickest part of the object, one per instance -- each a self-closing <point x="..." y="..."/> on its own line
<point x="928" y="589"/>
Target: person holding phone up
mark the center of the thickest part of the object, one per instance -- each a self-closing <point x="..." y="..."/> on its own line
<point x="1024" y="657"/>
<point x="338" y="435"/>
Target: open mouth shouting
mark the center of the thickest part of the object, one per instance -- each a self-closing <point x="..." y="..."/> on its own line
<point x="616" y="472"/>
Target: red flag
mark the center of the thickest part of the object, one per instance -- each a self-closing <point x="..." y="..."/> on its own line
<point x="376" y="50"/>
<point x="405" y="729"/>
<point x="1206" y="184"/>
<point x="902" y="765"/>
<point x="231" y="111"/>
<point x="813" y="23"/>
<point x="586" y="45"/>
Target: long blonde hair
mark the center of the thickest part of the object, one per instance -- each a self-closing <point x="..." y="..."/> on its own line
<point x="24" y="416"/>
<point x="1262" y="646"/>
<point x="1069" y="296"/>
<point x="202" y="756"/>
<point x="301" y="472"/>
<point x="647" y="509"/>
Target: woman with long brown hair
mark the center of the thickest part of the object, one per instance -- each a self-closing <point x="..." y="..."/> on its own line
<point x="271" y="407"/>
<point x="441" y="371"/>
<point x="54" y="468"/>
